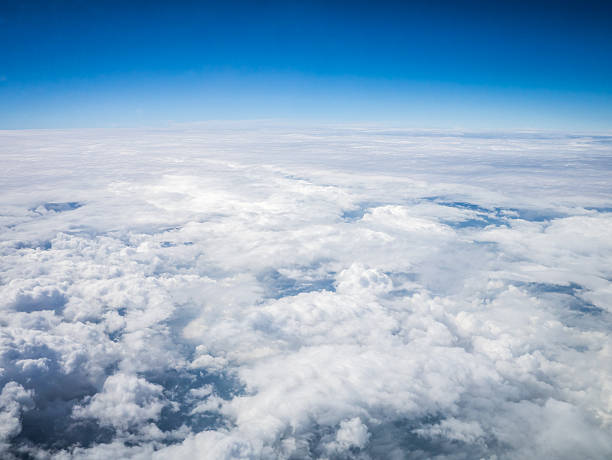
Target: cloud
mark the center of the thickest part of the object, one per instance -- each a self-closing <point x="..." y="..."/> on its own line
<point x="265" y="292"/>
<point x="13" y="400"/>
<point x="125" y="401"/>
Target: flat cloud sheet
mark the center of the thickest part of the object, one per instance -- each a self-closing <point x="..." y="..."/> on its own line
<point x="254" y="291"/>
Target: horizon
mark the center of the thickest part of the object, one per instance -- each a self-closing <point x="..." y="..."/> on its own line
<point x="300" y="124"/>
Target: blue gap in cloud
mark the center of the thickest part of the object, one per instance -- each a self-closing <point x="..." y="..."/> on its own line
<point x="39" y="245"/>
<point x="48" y="300"/>
<point x="399" y="279"/>
<point x="177" y="385"/>
<point x="52" y="427"/>
<point x="400" y="435"/>
<point x="59" y="207"/>
<point x="62" y="207"/>
<point x="485" y="216"/>
<point x="571" y="292"/>
<point x="50" y="424"/>
<point x="170" y="244"/>
<point x="355" y="214"/>
<point x="599" y="209"/>
<point x="494" y="216"/>
<point x="277" y="285"/>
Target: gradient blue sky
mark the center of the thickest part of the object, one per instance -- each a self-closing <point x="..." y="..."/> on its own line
<point x="476" y="65"/>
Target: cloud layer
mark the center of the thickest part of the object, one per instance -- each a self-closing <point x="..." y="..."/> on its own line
<point x="264" y="291"/>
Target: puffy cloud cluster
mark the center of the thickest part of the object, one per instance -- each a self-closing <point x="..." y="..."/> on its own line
<point x="13" y="399"/>
<point x="265" y="292"/>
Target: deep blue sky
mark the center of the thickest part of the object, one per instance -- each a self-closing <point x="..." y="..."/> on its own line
<point x="538" y="65"/>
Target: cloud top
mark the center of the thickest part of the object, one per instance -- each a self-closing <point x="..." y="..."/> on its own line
<point x="274" y="292"/>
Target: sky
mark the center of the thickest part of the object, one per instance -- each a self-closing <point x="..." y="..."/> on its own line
<point x="465" y="64"/>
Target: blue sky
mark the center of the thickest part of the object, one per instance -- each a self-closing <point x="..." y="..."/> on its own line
<point x="479" y="65"/>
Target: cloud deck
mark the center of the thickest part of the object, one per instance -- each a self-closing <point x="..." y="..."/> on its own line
<point x="299" y="292"/>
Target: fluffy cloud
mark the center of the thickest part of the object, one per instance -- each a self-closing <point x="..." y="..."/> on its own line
<point x="262" y="292"/>
<point x="125" y="401"/>
<point x="13" y="400"/>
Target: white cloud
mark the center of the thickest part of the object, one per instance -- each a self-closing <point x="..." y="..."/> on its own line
<point x="125" y="401"/>
<point x="352" y="433"/>
<point x="13" y="400"/>
<point x="330" y="293"/>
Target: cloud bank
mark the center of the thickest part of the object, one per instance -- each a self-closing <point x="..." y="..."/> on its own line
<point x="278" y="292"/>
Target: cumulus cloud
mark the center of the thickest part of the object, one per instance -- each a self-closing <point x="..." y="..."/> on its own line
<point x="13" y="400"/>
<point x="125" y="401"/>
<point x="263" y="292"/>
<point x="351" y="434"/>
